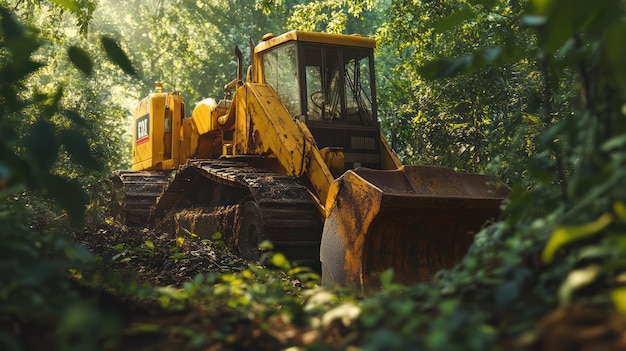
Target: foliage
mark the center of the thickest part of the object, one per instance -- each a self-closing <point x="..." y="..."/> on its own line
<point x="81" y="13"/>
<point x="31" y="161"/>
<point x="575" y="168"/>
<point x="472" y="122"/>
<point x="332" y="16"/>
<point x="187" y="45"/>
<point x="531" y="90"/>
<point x="52" y="147"/>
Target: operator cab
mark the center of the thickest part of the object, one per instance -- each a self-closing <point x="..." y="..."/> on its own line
<point x="327" y="80"/>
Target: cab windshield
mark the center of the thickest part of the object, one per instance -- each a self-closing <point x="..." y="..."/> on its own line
<point x="281" y="72"/>
<point x="338" y="85"/>
<point x="327" y="84"/>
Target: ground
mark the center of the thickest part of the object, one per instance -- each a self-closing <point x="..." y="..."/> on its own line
<point x="182" y="292"/>
<point x="160" y="259"/>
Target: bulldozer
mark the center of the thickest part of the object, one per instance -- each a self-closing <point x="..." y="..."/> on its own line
<point x="293" y="154"/>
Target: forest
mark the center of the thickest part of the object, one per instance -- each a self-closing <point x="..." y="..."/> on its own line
<point x="532" y="92"/>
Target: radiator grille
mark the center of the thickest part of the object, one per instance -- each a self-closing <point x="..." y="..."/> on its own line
<point x="362" y="143"/>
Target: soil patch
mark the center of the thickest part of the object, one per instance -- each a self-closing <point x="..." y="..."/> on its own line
<point x="159" y="258"/>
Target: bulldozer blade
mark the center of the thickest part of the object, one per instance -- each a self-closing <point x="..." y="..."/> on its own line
<point x="416" y="220"/>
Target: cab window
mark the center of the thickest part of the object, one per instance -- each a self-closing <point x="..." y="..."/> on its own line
<point x="338" y="84"/>
<point x="280" y="69"/>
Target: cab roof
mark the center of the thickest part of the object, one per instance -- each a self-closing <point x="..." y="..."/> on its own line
<point x="354" y="40"/>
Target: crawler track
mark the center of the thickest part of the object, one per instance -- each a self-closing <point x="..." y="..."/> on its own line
<point x="135" y="194"/>
<point x="288" y="216"/>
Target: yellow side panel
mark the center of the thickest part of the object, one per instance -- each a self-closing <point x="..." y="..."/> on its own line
<point x="334" y="159"/>
<point x="177" y="107"/>
<point x="265" y="128"/>
<point x="242" y="122"/>
<point x="156" y="132"/>
<point x="273" y="131"/>
<point x="142" y="135"/>
<point x="316" y="168"/>
<point x="388" y="158"/>
<point x="203" y="117"/>
<point x="189" y="140"/>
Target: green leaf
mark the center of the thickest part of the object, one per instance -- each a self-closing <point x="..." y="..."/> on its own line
<point x="386" y="278"/>
<point x="117" y="55"/>
<point x="449" y="306"/>
<point x="619" y="208"/>
<point x="540" y="6"/>
<point x="14" y="170"/>
<point x="534" y="20"/>
<point x="138" y="328"/>
<point x="454" y="19"/>
<point x="149" y="244"/>
<point x="80" y="58"/>
<point x="507" y="292"/>
<point x="18" y="70"/>
<point x="266" y="245"/>
<point x="69" y="194"/>
<point x="485" y="3"/>
<point x="68" y="4"/>
<point x="79" y="253"/>
<point x="75" y="117"/>
<point x="531" y="119"/>
<point x="565" y="235"/>
<point x="446" y="68"/>
<point x="618" y="295"/>
<point x="492" y="54"/>
<point x="21" y="43"/>
<point x="616" y="50"/>
<point x="172" y="292"/>
<point x="43" y="145"/>
<point x="279" y="260"/>
<point x="77" y="146"/>
<point x="11" y="29"/>
<point x="614" y="143"/>
<point x="8" y="94"/>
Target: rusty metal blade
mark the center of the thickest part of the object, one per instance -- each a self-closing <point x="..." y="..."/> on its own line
<point x="416" y="220"/>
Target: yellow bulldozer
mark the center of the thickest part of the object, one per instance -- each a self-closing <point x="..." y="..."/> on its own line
<point x="294" y="154"/>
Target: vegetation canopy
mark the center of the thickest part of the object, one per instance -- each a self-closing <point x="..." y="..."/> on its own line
<point x="530" y="91"/>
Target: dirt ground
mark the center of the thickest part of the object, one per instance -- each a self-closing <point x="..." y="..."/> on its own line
<point x="166" y="260"/>
<point x="148" y="258"/>
<point x="158" y="258"/>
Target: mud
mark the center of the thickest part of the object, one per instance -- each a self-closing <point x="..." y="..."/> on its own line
<point x="205" y="222"/>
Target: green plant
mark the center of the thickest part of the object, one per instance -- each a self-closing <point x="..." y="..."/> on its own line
<point x="44" y="149"/>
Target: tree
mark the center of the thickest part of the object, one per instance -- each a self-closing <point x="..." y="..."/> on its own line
<point x="187" y="45"/>
<point x="474" y="122"/>
<point x="568" y="224"/>
<point x="333" y="16"/>
<point x="54" y="145"/>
